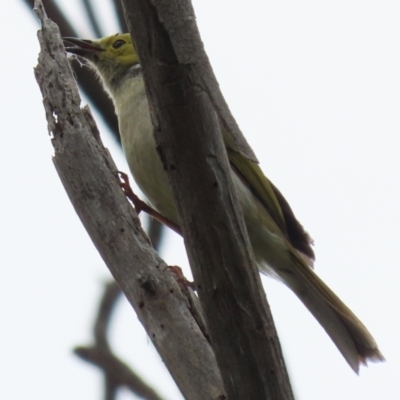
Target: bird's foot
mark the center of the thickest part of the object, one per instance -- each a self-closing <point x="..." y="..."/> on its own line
<point x="140" y="205"/>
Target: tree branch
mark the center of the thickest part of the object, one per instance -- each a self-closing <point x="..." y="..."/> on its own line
<point x="87" y="81"/>
<point x="118" y="373"/>
<point x="187" y="113"/>
<point x="90" y="179"/>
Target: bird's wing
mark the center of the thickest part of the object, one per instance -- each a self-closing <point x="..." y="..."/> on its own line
<point x="273" y="201"/>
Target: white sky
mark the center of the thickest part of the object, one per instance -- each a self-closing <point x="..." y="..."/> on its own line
<point x="315" y="88"/>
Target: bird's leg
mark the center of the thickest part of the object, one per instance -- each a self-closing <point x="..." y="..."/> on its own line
<point x="126" y="188"/>
<point x="140" y="205"/>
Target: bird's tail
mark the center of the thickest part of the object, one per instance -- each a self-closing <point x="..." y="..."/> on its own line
<point x="347" y="332"/>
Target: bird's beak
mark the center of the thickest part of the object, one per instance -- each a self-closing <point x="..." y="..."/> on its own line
<point x="81" y="47"/>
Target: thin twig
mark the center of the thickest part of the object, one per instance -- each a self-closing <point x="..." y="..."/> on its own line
<point x="108" y="301"/>
<point x="117" y="372"/>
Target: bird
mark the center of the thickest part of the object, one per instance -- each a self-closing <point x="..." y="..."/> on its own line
<point x="282" y="247"/>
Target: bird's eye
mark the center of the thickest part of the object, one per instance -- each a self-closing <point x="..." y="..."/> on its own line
<point x="118" y="43"/>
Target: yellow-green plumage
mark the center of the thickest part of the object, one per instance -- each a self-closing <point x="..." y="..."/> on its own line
<point x="281" y="246"/>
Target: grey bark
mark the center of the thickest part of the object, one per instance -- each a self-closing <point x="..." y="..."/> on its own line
<point x="90" y="180"/>
<point x="187" y="112"/>
<point x="88" y="82"/>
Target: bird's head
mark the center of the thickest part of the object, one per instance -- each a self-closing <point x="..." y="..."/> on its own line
<point x="112" y="57"/>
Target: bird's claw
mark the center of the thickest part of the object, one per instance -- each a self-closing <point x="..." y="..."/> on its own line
<point x="140" y="205"/>
<point x="126" y="188"/>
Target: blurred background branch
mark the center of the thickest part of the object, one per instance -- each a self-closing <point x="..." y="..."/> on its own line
<point x="116" y="373"/>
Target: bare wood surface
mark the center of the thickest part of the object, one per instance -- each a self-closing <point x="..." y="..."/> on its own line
<point x="90" y="179"/>
<point x="87" y="81"/>
<point x="183" y="95"/>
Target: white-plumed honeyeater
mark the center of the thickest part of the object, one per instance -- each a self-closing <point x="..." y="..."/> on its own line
<point x="281" y="246"/>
